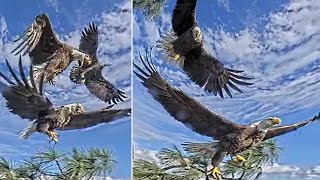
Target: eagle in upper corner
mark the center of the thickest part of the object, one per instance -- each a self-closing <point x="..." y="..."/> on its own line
<point x="48" y="54"/>
<point x="91" y="74"/>
<point x="232" y="138"/>
<point x="25" y="98"/>
<point x="185" y="46"/>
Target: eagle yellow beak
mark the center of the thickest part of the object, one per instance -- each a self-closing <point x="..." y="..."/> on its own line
<point x="276" y="121"/>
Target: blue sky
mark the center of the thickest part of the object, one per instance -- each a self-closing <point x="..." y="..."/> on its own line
<point x="113" y="18"/>
<point x="276" y="42"/>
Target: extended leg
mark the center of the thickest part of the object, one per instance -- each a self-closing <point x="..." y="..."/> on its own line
<point x="53" y="136"/>
<point x="215" y="161"/>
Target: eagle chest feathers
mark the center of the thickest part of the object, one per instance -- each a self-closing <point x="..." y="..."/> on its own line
<point x="186" y="42"/>
<point x="236" y="143"/>
<point x="62" y="117"/>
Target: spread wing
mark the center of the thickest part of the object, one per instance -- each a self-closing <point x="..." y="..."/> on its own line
<point x="38" y="40"/>
<point x="182" y="107"/>
<point x="281" y="130"/>
<point x="23" y="97"/>
<point x="183" y="16"/>
<point x="208" y="72"/>
<point x="103" y="89"/>
<point x="90" y="119"/>
<point x="89" y="41"/>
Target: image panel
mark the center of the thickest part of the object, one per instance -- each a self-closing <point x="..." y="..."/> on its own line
<point x="65" y="83"/>
<point x="225" y="89"/>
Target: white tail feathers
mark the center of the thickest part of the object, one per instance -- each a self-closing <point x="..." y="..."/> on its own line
<point x="165" y="44"/>
<point x="202" y="149"/>
<point x="25" y="133"/>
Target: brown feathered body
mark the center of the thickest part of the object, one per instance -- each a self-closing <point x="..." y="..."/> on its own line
<point x="48" y="54"/>
<point x="91" y="75"/>
<point x="184" y="46"/>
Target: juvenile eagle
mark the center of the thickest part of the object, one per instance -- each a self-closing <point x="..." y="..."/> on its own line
<point x="47" y="53"/>
<point x="232" y="138"/>
<point x="91" y="74"/>
<point x="27" y="100"/>
<point x="185" y="46"/>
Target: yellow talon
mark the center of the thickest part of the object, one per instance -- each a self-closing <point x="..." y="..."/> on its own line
<point x="215" y="173"/>
<point x="176" y="57"/>
<point x="239" y="159"/>
<point x="53" y="136"/>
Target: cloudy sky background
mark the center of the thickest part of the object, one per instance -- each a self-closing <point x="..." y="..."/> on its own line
<point x="276" y="42"/>
<point x="113" y="18"/>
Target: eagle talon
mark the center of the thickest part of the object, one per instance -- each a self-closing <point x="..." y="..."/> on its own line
<point x="175" y="57"/>
<point x="53" y="136"/>
<point x="215" y="173"/>
<point x="239" y="159"/>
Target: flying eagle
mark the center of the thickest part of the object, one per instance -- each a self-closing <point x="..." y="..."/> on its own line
<point x="91" y="74"/>
<point x="185" y="46"/>
<point x="25" y="98"/>
<point x="231" y="138"/>
<point x="47" y="53"/>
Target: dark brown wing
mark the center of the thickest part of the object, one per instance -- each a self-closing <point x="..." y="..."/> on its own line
<point x="103" y="89"/>
<point x="90" y="119"/>
<point x="23" y="97"/>
<point x="182" y="107"/>
<point x="89" y="41"/>
<point x="183" y="16"/>
<point x="208" y="72"/>
<point x="281" y="130"/>
<point x="38" y="40"/>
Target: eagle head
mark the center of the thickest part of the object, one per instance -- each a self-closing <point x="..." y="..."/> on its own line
<point x="75" y="108"/>
<point x="197" y="35"/>
<point x="83" y="58"/>
<point x="268" y="123"/>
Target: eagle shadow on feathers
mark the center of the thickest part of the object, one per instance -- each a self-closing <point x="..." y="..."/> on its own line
<point x="232" y="138"/>
<point x="91" y="75"/>
<point x="49" y="55"/>
<point x="25" y="98"/>
<point x="184" y="46"/>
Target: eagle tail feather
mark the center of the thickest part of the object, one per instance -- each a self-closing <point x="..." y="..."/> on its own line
<point x="202" y="149"/>
<point x="27" y="132"/>
<point x="166" y="46"/>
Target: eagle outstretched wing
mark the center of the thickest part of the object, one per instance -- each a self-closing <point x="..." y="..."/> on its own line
<point x="182" y="107"/>
<point x="24" y="97"/>
<point x="93" y="78"/>
<point x="38" y="40"/>
<point x="89" y="41"/>
<point x="90" y="119"/>
<point x="281" y="130"/>
<point x="208" y="72"/>
<point x="183" y="17"/>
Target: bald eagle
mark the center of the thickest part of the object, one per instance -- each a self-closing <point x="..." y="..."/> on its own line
<point x="185" y="46"/>
<point x="47" y="53"/>
<point x="231" y="138"/>
<point x="91" y="75"/>
<point x="25" y="98"/>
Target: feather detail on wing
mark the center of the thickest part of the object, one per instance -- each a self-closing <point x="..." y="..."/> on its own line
<point x="281" y="130"/>
<point x="104" y="90"/>
<point x="38" y="40"/>
<point x="206" y="71"/>
<point x="90" y="119"/>
<point x="24" y="98"/>
<point x="205" y="150"/>
<point x="89" y="41"/>
<point x="183" y="16"/>
<point x="182" y="107"/>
